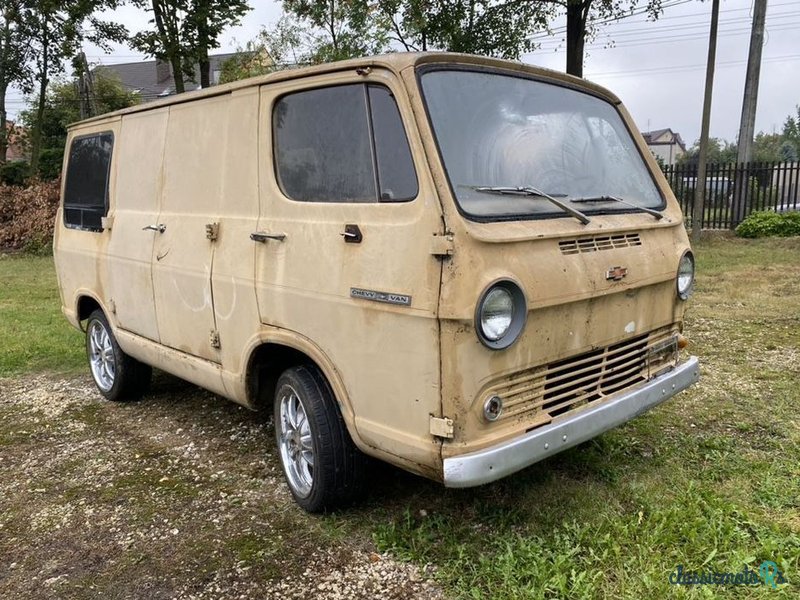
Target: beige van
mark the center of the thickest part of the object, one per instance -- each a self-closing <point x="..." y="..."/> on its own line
<point x="457" y="265"/>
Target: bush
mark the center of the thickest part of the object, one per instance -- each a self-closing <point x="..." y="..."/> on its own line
<point x="15" y="172"/>
<point x="27" y="216"/>
<point x="50" y="161"/>
<point x="766" y="224"/>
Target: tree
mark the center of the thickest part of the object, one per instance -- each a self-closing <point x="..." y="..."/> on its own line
<point x="339" y="29"/>
<point x="585" y="17"/>
<point x="486" y="27"/>
<point x="273" y="49"/>
<point x="14" y="62"/>
<point x="184" y="31"/>
<point x="206" y="20"/>
<point x="57" y="29"/>
<point x="791" y="131"/>
<point x="767" y="147"/>
<point x="63" y="106"/>
<point x="719" y="152"/>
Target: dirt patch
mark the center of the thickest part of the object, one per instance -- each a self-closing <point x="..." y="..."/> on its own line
<point x="177" y="496"/>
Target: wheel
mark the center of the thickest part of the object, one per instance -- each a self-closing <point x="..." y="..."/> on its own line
<point x="119" y="377"/>
<point x="322" y="465"/>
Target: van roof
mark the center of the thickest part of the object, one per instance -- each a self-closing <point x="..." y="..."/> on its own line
<point x="395" y="61"/>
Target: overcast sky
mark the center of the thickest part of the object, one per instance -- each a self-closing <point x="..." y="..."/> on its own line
<point x="657" y="68"/>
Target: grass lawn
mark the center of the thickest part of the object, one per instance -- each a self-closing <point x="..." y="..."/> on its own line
<point x="710" y="480"/>
<point x="36" y="336"/>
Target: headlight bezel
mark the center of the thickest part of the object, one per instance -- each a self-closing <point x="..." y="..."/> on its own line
<point x="686" y="292"/>
<point x="519" y="314"/>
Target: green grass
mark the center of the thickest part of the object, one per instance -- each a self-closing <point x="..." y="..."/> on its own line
<point x="710" y="480"/>
<point x="36" y="336"/>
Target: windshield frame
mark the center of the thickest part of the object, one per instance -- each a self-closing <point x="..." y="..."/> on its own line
<point x="423" y="69"/>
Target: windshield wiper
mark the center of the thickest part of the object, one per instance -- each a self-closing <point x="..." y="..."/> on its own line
<point x="532" y="191"/>
<point x="594" y="199"/>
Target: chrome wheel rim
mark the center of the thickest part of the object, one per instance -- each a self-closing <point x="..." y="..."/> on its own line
<point x="294" y="439"/>
<point x="101" y="356"/>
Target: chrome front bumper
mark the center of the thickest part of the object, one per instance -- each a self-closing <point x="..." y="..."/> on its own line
<point x="494" y="463"/>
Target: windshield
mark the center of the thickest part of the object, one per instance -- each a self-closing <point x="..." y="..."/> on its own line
<point x="501" y="131"/>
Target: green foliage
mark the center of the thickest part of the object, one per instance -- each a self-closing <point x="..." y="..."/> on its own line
<point x="338" y="29"/>
<point x="791" y="131"/>
<point x="719" y="152"/>
<point x="486" y="27"/>
<point x="57" y="31"/>
<point x="16" y="172"/>
<point x="62" y="107"/>
<point x="183" y="32"/>
<point x="273" y="49"/>
<point x="50" y="162"/>
<point x="769" y="224"/>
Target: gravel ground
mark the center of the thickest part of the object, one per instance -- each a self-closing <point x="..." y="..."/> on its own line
<point x="177" y="496"/>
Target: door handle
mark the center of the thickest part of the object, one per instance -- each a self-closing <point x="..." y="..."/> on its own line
<point x="262" y="236"/>
<point x="160" y="228"/>
<point x="352" y="234"/>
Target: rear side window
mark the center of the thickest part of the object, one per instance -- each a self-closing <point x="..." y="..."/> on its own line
<point x="86" y="185"/>
<point x="342" y="144"/>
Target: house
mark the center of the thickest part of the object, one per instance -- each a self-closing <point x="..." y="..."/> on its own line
<point x="665" y="144"/>
<point x="152" y="79"/>
<point x="16" y="136"/>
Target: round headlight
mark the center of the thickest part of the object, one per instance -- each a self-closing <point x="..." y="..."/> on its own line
<point x="686" y="275"/>
<point x="500" y="315"/>
<point x="497" y="311"/>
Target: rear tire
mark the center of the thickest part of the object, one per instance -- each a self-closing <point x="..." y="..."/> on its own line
<point x="118" y="377"/>
<point x="322" y="465"/>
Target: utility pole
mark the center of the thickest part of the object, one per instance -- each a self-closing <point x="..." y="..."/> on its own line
<point x="744" y="150"/>
<point x="748" y="122"/>
<point x="700" y="183"/>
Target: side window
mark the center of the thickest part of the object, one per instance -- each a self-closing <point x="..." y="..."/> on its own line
<point x="86" y="186"/>
<point x="396" y="176"/>
<point x="342" y="144"/>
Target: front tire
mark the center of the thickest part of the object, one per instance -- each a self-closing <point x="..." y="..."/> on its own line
<point x="322" y="465"/>
<point x="118" y="377"/>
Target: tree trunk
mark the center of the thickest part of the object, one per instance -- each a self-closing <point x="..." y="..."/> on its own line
<point x="202" y="49"/>
<point x="3" y="124"/>
<point x="577" y="11"/>
<point x="36" y="139"/>
<point x="4" y="89"/>
<point x="171" y="43"/>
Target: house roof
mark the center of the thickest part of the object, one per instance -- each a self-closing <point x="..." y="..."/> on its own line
<point x="652" y="138"/>
<point x="152" y="79"/>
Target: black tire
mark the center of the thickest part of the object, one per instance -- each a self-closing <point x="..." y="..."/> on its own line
<point x="339" y="467"/>
<point x="118" y="377"/>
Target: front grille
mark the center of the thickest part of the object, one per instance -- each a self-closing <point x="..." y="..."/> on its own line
<point x="552" y="390"/>
<point x="595" y="244"/>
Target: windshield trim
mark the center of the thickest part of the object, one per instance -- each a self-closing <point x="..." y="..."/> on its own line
<point x="446" y="66"/>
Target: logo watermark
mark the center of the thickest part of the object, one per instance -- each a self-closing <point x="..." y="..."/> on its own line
<point x="767" y="574"/>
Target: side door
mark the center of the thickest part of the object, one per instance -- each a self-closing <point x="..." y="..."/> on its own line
<point x="182" y="251"/>
<point x="134" y="206"/>
<point x="347" y="221"/>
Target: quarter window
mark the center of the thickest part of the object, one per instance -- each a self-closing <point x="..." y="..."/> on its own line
<point x="342" y="144"/>
<point x="86" y="186"/>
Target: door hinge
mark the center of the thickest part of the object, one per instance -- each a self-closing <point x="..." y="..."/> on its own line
<point x="213" y="338"/>
<point x="442" y="244"/>
<point x="442" y="427"/>
<point x="212" y="231"/>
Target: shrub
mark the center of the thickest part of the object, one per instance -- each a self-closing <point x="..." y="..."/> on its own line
<point x="766" y="223"/>
<point x="15" y="172"/>
<point x="50" y="163"/>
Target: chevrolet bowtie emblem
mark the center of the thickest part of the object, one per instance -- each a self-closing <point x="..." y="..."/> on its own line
<point x="616" y="273"/>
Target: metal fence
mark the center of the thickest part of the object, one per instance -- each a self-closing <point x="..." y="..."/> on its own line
<point x="733" y="191"/>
